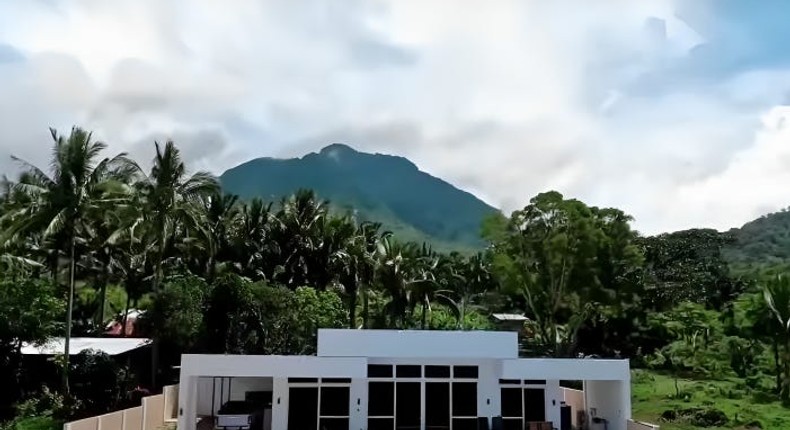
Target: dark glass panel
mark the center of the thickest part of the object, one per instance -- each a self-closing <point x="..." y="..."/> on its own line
<point x="302" y="408"/>
<point x="437" y="371"/>
<point x="511" y="402"/>
<point x="334" y="401"/>
<point x="465" y="372"/>
<point x="379" y="371"/>
<point x="534" y="404"/>
<point x="408" y="371"/>
<point x="437" y="405"/>
<point x="381" y="399"/>
<point x="464" y="399"/>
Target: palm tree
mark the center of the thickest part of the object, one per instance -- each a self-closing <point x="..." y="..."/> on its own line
<point x="427" y="288"/>
<point x="356" y="266"/>
<point x="777" y="295"/>
<point x="60" y="201"/>
<point x="251" y="246"/>
<point x="171" y="201"/>
<point x="297" y="235"/>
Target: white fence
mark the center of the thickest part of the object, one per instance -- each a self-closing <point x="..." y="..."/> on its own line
<point x="153" y="414"/>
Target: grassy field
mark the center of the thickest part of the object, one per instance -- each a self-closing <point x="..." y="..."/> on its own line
<point x="654" y="394"/>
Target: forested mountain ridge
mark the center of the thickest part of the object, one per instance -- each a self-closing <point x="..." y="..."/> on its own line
<point x="761" y="242"/>
<point x="376" y="187"/>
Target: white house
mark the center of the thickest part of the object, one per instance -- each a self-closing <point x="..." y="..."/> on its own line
<point x="387" y="379"/>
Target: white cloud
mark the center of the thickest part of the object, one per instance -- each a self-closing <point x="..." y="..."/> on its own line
<point x="505" y="98"/>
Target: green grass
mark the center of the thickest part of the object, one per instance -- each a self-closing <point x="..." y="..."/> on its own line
<point x="654" y="393"/>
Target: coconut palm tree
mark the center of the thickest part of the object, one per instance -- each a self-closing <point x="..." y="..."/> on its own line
<point x="60" y="199"/>
<point x="172" y="198"/>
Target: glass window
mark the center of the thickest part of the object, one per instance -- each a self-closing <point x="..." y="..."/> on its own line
<point x="381" y="423"/>
<point x="381" y="399"/>
<point x="464" y="399"/>
<point x="302" y="380"/>
<point x="437" y="405"/>
<point x="534" y="404"/>
<point x="437" y="371"/>
<point x="334" y="424"/>
<point x="408" y="404"/>
<point x="408" y="371"/>
<point x="379" y="371"/>
<point x="464" y="424"/>
<point x="534" y="382"/>
<point x="511" y="403"/>
<point x="465" y="372"/>
<point x="304" y="417"/>
<point x="334" y="401"/>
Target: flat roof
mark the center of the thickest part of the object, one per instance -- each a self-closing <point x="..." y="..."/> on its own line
<point x="417" y="343"/>
<point x="509" y="317"/>
<point x="107" y="345"/>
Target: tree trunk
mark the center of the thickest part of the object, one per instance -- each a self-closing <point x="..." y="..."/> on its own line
<point x="777" y="366"/>
<point x="125" y="315"/>
<point x="69" y="312"/>
<point x="424" y="314"/>
<point x="352" y="309"/>
<point x="365" y="308"/>
<point x="155" y="340"/>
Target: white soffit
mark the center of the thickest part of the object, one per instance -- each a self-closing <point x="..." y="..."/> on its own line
<point x="107" y="345"/>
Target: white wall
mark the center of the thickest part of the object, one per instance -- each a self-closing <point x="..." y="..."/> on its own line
<point x="417" y="343"/>
<point x="566" y="369"/>
<point x="610" y="400"/>
<point x="553" y="401"/>
<point x="294" y="366"/>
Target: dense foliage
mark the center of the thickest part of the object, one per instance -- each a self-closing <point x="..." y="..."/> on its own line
<point x="90" y="238"/>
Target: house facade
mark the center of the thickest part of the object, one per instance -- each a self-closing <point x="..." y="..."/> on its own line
<point x="388" y="379"/>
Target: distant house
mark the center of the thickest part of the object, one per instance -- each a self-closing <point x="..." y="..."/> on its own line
<point x="115" y="327"/>
<point x="388" y="379"/>
<point x="512" y="322"/>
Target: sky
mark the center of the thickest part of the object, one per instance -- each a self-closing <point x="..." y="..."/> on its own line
<point x="675" y="111"/>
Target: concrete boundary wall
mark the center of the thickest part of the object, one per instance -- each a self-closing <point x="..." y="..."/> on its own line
<point x="638" y="425"/>
<point x="155" y="412"/>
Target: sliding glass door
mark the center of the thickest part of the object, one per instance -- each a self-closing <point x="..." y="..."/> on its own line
<point x="413" y="397"/>
<point x="318" y="405"/>
<point x="522" y="402"/>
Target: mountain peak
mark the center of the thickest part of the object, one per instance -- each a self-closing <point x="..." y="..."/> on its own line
<point x="337" y="149"/>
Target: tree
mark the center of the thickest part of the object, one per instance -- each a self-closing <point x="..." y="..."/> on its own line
<point x="31" y="312"/>
<point x="172" y="198"/>
<point x="777" y="296"/>
<point x="549" y="253"/>
<point x="688" y="266"/>
<point x="61" y="200"/>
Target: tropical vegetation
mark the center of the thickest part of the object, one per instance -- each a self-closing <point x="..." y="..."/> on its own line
<point x="94" y="235"/>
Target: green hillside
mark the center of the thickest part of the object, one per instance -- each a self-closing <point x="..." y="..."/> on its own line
<point x="379" y="187"/>
<point x="761" y="243"/>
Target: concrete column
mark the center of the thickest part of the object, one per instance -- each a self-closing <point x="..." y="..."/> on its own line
<point x="280" y="403"/>
<point x="488" y="397"/>
<point x="187" y="402"/>
<point x="358" y="397"/>
<point x="553" y="399"/>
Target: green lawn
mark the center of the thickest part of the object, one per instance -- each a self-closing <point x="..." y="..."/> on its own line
<point x="654" y="393"/>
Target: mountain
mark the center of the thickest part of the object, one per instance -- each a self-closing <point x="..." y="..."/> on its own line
<point x="377" y="187"/>
<point x="762" y="242"/>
